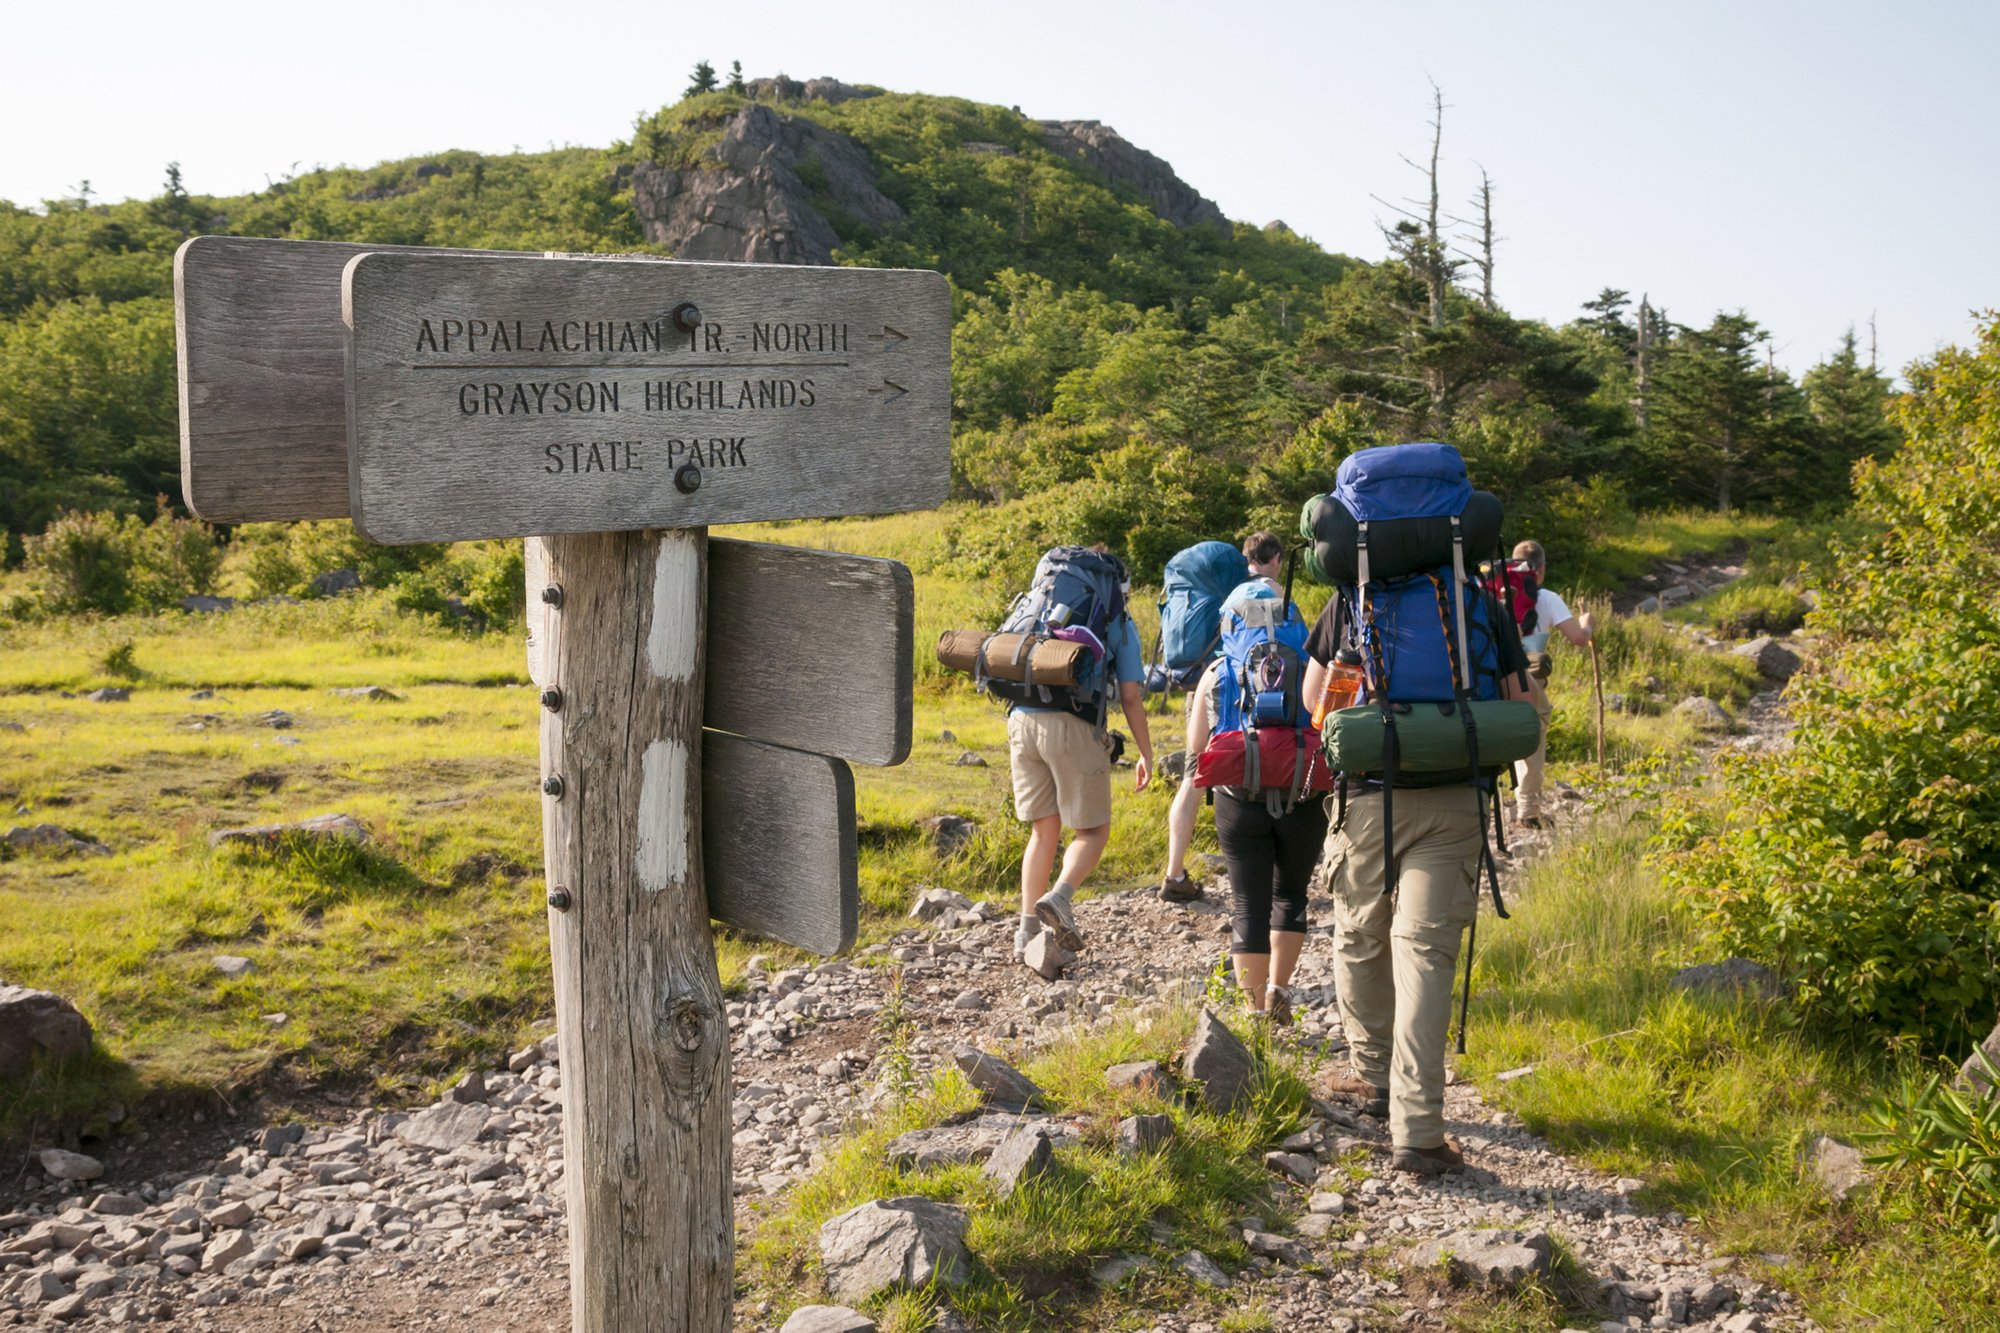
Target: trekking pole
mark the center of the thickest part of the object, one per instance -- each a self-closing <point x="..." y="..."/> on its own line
<point x="1597" y="683"/>
<point x="1465" y="1003"/>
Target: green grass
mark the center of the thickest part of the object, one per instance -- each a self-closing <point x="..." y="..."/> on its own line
<point x="1710" y="1100"/>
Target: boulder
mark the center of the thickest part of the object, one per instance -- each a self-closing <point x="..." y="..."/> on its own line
<point x="1139" y="1076"/>
<point x="1772" y="658"/>
<point x="1021" y="1156"/>
<point x="1045" y="957"/>
<point x="1838" y="1168"/>
<point x="886" y="1243"/>
<point x="950" y="834"/>
<point x="38" y="1023"/>
<point x="331" y="825"/>
<point x="1703" y="712"/>
<point x="1973" y="1075"/>
<point x="1202" y="1269"/>
<point x="66" y="1165"/>
<point x="336" y="581"/>
<point x="1488" y="1258"/>
<point x="998" y="1080"/>
<point x="232" y="965"/>
<point x="954" y="1145"/>
<point x="934" y="903"/>
<point x="1099" y="146"/>
<point x="203" y="603"/>
<point x="446" y="1127"/>
<point x="1219" y="1062"/>
<point x="1731" y="976"/>
<point x="1142" y="1133"/>
<point x="828" y="1319"/>
<point x="52" y="838"/>
<point x="110" y="694"/>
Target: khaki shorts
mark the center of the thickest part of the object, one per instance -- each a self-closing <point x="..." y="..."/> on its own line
<point x="1060" y="768"/>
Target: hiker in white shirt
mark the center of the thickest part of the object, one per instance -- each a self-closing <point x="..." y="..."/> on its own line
<point x="1552" y="616"/>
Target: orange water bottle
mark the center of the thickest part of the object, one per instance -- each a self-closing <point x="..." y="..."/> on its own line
<point x="1344" y="681"/>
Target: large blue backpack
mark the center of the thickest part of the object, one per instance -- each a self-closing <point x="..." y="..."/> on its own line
<point x="1428" y="638"/>
<point x="1262" y="743"/>
<point x="1077" y="594"/>
<point x="1198" y="579"/>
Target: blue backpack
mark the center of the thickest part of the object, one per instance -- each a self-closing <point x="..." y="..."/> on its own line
<point x="1078" y="595"/>
<point x="1263" y="745"/>
<point x="1198" y="579"/>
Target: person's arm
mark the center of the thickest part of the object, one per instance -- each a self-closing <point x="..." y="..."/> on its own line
<point x="1579" y="630"/>
<point x="1315" y="680"/>
<point x="1199" y="722"/>
<point x="1133" y="696"/>
<point x="1510" y="687"/>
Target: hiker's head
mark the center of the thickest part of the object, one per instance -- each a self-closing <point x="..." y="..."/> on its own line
<point x="1265" y="553"/>
<point x="1532" y="555"/>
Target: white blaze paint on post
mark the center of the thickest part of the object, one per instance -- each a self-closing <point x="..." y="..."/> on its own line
<point x="663" y="831"/>
<point x="670" y="645"/>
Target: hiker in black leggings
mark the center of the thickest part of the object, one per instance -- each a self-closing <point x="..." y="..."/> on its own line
<point x="1270" y="864"/>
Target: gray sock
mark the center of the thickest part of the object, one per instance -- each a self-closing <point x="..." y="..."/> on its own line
<point x="1063" y="890"/>
<point x="1031" y="926"/>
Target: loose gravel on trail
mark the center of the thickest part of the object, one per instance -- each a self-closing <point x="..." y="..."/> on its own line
<point x="374" y="1220"/>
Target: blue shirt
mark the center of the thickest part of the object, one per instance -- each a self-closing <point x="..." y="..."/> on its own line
<point x="1123" y="661"/>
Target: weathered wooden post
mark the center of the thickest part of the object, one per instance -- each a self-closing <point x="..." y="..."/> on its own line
<point x="482" y="395"/>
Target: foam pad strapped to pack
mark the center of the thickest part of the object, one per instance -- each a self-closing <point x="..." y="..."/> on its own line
<point x="1397" y="547"/>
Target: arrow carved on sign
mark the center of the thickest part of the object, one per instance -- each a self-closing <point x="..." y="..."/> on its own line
<point x="888" y="333"/>
<point x="887" y="386"/>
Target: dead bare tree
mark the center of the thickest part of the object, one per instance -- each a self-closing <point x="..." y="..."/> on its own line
<point x="1482" y="238"/>
<point x="1416" y="240"/>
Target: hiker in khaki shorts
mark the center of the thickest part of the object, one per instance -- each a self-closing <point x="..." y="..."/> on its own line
<point x="1396" y="955"/>
<point x="1062" y="776"/>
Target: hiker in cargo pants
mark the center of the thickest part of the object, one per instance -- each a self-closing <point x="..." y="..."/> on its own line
<point x="1396" y="955"/>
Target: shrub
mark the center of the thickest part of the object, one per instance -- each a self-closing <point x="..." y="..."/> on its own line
<point x="286" y="557"/>
<point x="83" y="562"/>
<point x="1865" y="861"/>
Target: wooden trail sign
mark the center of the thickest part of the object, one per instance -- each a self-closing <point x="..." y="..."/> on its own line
<point x="500" y="397"/>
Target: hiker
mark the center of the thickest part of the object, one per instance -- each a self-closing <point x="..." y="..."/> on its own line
<point x="1268" y="818"/>
<point x="1404" y="855"/>
<point x="1544" y="615"/>
<point x="1263" y="557"/>
<point x="1057" y="746"/>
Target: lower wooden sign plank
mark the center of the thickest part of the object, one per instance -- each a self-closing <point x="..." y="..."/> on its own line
<point x="263" y="396"/>
<point x="811" y="649"/>
<point x="778" y="843"/>
<point x="499" y="397"/>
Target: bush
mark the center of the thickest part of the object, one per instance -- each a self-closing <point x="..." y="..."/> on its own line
<point x="286" y="557"/>
<point x="1865" y="862"/>
<point x="82" y="562"/>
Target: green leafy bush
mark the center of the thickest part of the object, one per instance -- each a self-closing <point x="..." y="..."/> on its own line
<point x="1865" y="862"/>
<point x="286" y="557"/>
<point x="110" y="563"/>
<point x="1950" y="1141"/>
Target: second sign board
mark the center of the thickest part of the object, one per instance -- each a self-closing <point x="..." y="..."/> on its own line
<point x="497" y="397"/>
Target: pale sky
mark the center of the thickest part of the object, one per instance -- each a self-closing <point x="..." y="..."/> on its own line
<point x="1811" y="163"/>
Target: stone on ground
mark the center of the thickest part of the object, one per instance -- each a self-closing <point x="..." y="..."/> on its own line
<point x="233" y="965"/>
<point x="950" y="834"/>
<point x="1489" y="1258"/>
<point x="1219" y="1062"/>
<point x="66" y="1165"/>
<point x="828" y="1319"/>
<point x="1733" y="974"/>
<point x="1021" y="1156"/>
<point x="994" y="1077"/>
<point x="970" y="999"/>
<point x="277" y="1138"/>
<point x="1296" y="1165"/>
<point x="1046" y="957"/>
<point x="1276" y="1247"/>
<point x="1142" y="1133"/>
<point x="110" y="694"/>
<point x="225" y="1249"/>
<point x="886" y="1243"/>
<point x="1202" y="1269"/>
<point x="1838" y="1168"/>
<point x="1704" y="712"/>
<point x="118" y="1205"/>
<point x="934" y="903"/>
<point x="38" y="1023"/>
<point x="1316" y="1225"/>
<point x="53" y="838"/>
<point x="1110" y="1272"/>
<point x="1773" y="659"/>
<point x="1329" y="1202"/>
<point x="332" y="825"/>
<point x="446" y="1127"/>
<point x="469" y="1090"/>
<point x="1142" y="1075"/>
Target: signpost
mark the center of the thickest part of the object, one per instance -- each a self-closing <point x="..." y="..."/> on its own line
<point x="609" y="410"/>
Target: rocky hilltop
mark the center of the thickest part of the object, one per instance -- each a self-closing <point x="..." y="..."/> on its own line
<point x="759" y="194"/>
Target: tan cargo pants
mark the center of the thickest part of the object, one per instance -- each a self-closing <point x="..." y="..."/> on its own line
<point x="1395" y="957"/>
<point x="1528" y="795"/>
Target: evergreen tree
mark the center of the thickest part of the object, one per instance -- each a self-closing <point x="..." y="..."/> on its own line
<point x="703" y="80"/>
<point x="1849" y="404"/>
<point x="736" y="77"/>
<point x="1725" y="426"/>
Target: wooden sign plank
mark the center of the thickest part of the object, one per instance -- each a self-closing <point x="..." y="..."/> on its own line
<point x="498" y="397"/>
<point x="778" y="843"/>
<point x="263" y="392"/>
<point x="811" y="649"/>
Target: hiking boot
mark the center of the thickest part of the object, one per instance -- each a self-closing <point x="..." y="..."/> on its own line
<point x="1184" y="888"/>
<point x="1374" y="1101"/>
<point x="1278" y="1004"/>
<point x="1428" y="1161"/>
<point x="1023" y="935"/>
<point x="1059" y="918"/>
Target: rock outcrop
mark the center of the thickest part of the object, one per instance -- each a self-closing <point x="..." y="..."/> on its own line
<point x="38" y="1022"/>
<point x="1098" y="145"/>
<point x="746" y="201"/>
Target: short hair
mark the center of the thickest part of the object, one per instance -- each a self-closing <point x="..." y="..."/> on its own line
<point x="1533" y="553"/>
<point x="1261" y="548"/>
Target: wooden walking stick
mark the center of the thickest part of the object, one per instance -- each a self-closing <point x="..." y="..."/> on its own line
<point x="1597" y="684"/>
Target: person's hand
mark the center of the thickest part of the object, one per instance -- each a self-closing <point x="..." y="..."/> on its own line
<point x="1143" y="773"/>
<point x="1589" y="624"/>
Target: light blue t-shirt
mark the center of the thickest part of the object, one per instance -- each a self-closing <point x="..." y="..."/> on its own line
<point x="1123" y="661"/>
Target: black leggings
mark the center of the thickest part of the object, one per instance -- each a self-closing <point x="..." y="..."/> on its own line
<point x="1270" y="864"/>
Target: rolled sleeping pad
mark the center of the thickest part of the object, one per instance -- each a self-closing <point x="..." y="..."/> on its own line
<point x="1056" y="661"/>
<point x="1397" y="547"/>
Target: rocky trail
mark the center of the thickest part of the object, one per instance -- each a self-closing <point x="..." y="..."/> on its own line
<point x="452" y="1217"/>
